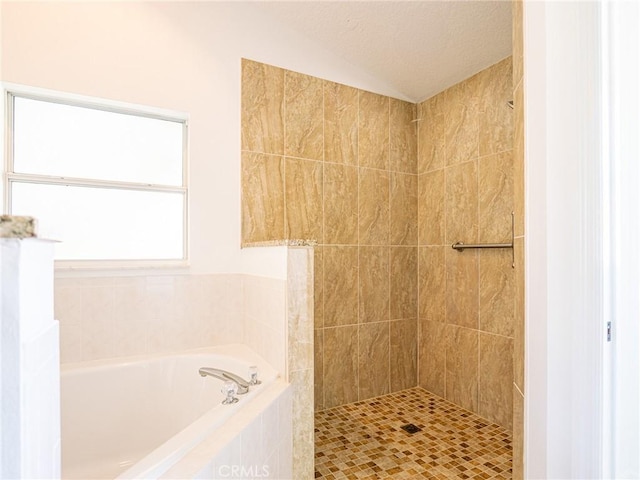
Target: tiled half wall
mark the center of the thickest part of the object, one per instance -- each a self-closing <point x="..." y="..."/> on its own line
<point x="107" y="317"/>
<point x="385" y="196"/>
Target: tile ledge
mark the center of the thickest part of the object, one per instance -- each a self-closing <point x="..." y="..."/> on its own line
<point x="294" y="242"/>
<point x="12" y="226"/>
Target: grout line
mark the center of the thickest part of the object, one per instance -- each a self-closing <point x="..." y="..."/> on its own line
<point x="389" y="242"/>
<point x="358" y="249"/>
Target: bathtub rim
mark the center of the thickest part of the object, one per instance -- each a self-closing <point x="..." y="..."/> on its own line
<point x="237" y="352"/>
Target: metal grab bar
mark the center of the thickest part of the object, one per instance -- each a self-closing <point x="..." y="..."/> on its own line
<point x="462" y="246"/>
<point x="459" y="246"/>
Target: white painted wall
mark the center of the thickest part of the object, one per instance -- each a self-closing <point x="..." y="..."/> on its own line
<point x="565" y="228"/>
<point x="182" y="56"/>
<point x="624" y="18"/>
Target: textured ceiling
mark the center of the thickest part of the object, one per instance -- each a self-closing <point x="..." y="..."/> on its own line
<point x="417" y="47"/>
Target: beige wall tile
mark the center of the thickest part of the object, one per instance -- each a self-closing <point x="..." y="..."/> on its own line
<point x="496" y="117"/>
<point x="340" y="358"/>
<point x="495" y="379"/>
<point x="303" y="116"/>
<point x="374" y="284"/>
<point x="262" y="127"/>
<point x="461" y="203"/>
<point x="403" y="215"/>
<point x="298" y="297"/>
<point x="431" y="125"/>
<point x="318" y="287"/>
<point x="402" y="137"/>
<point x="432" y="347"/>
<point x="303" y="199"/>
<point x="373" y="130"/>
<point x="461" y="131"/>
<point x="462" y="294"/>
<point x="518" y="434"/>
<point x="262" y="197"/>
<point x="518" y="161"/>
<point x="431" y="204"/>
<point x="517" y="41"/>
<point x="403" y="279"/>
<point x="495" y="203"/>
<point x="318" y="385"/>
<point x="462" y="367"/>
<point x="373" y="207"/>
<point x="519" y="318"/>
<point x="431" y="284"/>
<point x="340" y="204"/>
<point x="497" y="291"/>
<point x="403" y="355"/>
<point x="373" y="364"/>
<point x="340" y="123"/>
<point x="340" y="286"/>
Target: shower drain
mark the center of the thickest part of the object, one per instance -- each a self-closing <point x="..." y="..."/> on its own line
<point x="410" y="428"/>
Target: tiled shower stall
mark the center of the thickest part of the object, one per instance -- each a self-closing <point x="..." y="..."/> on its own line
<point x="385" y="187"/>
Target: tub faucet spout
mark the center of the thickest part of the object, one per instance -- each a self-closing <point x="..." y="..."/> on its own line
<point x="243" y="385"/>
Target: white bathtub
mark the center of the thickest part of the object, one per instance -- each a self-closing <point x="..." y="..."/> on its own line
<point x="149" y="417"/>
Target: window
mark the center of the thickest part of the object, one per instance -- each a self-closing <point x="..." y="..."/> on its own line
<point x="108" y="182"/>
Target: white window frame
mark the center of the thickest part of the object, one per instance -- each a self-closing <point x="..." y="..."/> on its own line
<point x="9" y="91"/>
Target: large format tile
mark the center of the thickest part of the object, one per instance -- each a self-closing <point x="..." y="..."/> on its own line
<point x="497" y="291"/>
<point x="340" y="204"/>
<point x="340" y="368"/>
<point x="303" y="116"/>
<point x="432" y="350"/>
<point x="373" y="131"/>
<point x="431" y="201"/>
<point x="461" y="203"/>
<point x="517" y="41"/>
<point x="303" y="199"/>
<point x="318" y="287"/>
<point x="403" y="279"/>
<point x="495" y="379"/>
<point x="431" y="134"/>
<point x="496" y="117"/>
<point x="318" y="378"/>
<point x="340" y="286"/>
<point x="431" y="284"/>
<point x="340" y="123"/>
<point x="373" y="364"/>
<point x="462" y="367"/>
<point x="403" y="215"/>
<point x="262" y="127"/>
<point x="403" y="354"/>
<point x="462" y="296"/>
<point x="373" y="207"/>
<point x="402" y="142"/>
<point x="461" y="128"/>
<point x="519" y="318"/>
<point x="518" y="161"/>
<point x="518" y="434"/>
<point x="495" y="201"/>
<point x="374" y="284"/>
<point x="262" y="197"/>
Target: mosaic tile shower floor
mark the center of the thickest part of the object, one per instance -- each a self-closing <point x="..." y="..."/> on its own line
<point x="364" y="440"/>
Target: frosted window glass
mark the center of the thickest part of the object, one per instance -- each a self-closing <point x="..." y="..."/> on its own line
<point x="104" y="223"/>
<point x="69" y="141"/>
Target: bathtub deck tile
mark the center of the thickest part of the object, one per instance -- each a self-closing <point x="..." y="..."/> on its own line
<point x="365" y="440"/>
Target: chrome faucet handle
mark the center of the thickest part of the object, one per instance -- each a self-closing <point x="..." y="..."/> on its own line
<point x="253" y="375"/>
<point x="229" y="389"/>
